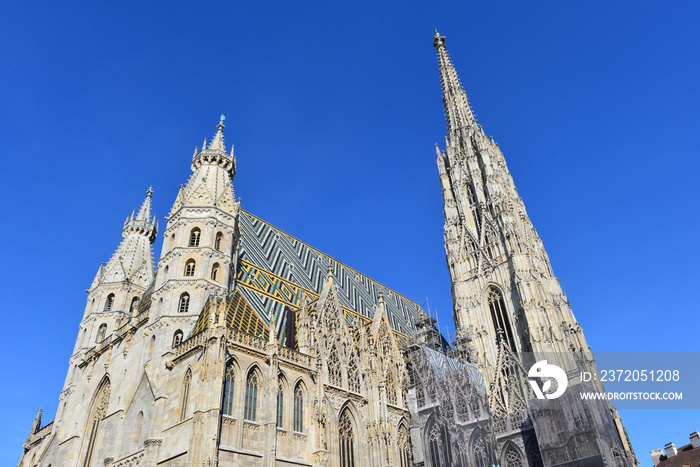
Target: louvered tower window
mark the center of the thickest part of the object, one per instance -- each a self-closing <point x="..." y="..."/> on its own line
<point x="177" y="338"/>
<point x="195" y="235"/>
<point x="101" y="331"/>
<point x="110" y="302"/>
<point x="184" y="305"/>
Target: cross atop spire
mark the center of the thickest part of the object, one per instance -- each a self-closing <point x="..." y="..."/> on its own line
<point x="145" y="211"/>
<point x="458" y="112"/>
<point x="218" y="141"/>
<point x="142" y="223"/>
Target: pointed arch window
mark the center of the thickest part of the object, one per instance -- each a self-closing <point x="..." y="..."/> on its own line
<point x="184" y="305"/>
<point x="217" y="242"/>
<point x="214" y="271"/>
<point x="492" y="247"/>
<point x="251" y="396"/>
<point x="404" y="445"/>
<point x="472" y="200"/>
<point x="347" y="440"/>
<point x="353" y="375"/>
<point x="185" y="394"/>
<point x="482" y="450"/>
<point x="190" y="267"/>
<point x="101" y="332"/>
<point x="109" y="304"/>
<point x="512" y="457"/>
<point x="534" y="456"/>
<point x="299" y="408"/>
<point x="97" y="413"/>
<point x="229" y="381"/>
<point x="335" y="376"/>
<point x="420" y="395"/>
<point x="390" y="388"/>
<point x="499" y="317"/>
<point x="280" y="404"/>
<point x="195" y="235"/>
<point x="177" y="338"/>
<point x="134" y="305"/>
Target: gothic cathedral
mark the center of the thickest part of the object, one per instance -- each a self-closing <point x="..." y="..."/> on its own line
<point x="248" y="347"/>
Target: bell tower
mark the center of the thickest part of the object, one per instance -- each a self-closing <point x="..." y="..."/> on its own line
<point x="503" y="287"/>
<point x="199" y="242"/>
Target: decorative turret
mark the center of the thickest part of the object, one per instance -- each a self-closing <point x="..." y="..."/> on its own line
<point x="132" y="262"/>
<point x="213" y="172"/>
<point x="215" y="153"/>
<point x="143" y="223"/>
<point x="198" y="257"/>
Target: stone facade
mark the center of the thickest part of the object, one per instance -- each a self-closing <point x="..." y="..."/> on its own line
<point x="177" y="368"/>
<point x="248" y="347"/>
<point x="474" y="405"/>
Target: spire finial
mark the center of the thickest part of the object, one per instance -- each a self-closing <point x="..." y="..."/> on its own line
<point x="218" y="141"/>
<point x="329" y="271"/>
<point x="457" y="109"/>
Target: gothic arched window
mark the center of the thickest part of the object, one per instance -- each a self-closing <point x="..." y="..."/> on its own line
<point x="185" y="394"/>
<point x="101" y="332"/>
<point x="110" y="302"/>
<point x="347" y="440"/>
<point x="190" y="267"/>
<point x="434" y="443"/>
<point x="534" y="456"/>
<point x="184" y="305"/>
<point x="420" y="395"/>
<point x="97" y="413"/>
<point x="335" y="377"/>
<point x="499" y="317"/>
<point x="492" y="247"/>
<point x="353" y="375"/>
<point x="280" y="404"/>
<point x="512" y="457"/>
<point x="482" y="450"/>
<point x="229" y="381"/>
<point x="390" y="388"/>
<point x="217" y="242"/>
<point x="195" y="235"/>
<point x="214" y="271"/>
<point x="251" y="396"/>
<point x="177" y="338"/>
<point x="471" y="199"/>
<point x="299" y="408"/>
<point x="404" y="446"/>
<point x="134" y="305"/>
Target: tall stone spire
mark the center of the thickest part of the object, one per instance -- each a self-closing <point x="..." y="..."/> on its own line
<point x="458" y="112"/>
<point x="502" y="281"/>
<point x="198" y="258"/>
<point x="132" y="262"/>
<point x="213" y="171"/>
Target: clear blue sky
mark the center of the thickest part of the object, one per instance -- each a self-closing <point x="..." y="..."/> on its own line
<point x="334" y="109"/>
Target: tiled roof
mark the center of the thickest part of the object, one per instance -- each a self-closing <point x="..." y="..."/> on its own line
<point x="687" y="456"/>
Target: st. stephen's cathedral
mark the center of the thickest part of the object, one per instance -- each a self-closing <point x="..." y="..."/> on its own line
<point x="248" y="347"/>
